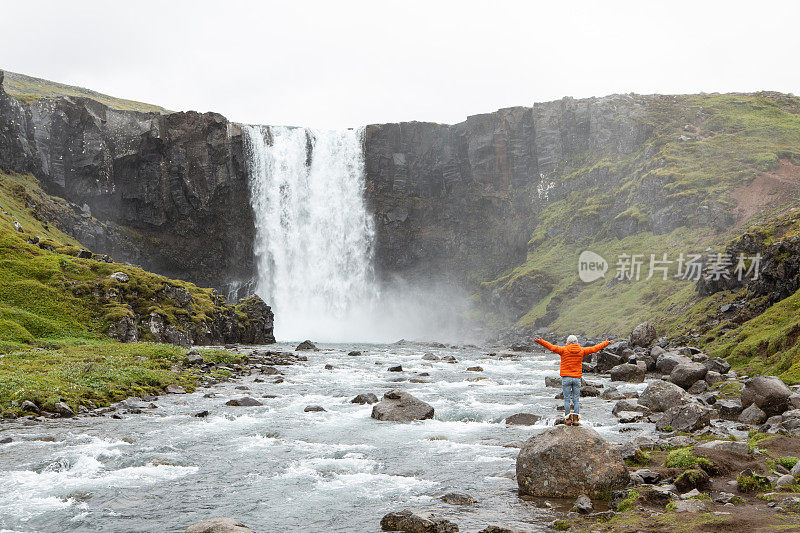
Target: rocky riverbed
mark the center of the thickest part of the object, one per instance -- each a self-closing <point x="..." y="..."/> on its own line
<point x="294" y="440"/>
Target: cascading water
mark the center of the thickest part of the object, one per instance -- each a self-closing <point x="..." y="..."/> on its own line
<point x="314" y="236"/>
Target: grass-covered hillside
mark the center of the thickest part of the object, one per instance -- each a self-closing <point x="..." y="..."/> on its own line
<point x="27" y="89"/>
<point x="719" y="164"/>
<point x="56" y="310"/>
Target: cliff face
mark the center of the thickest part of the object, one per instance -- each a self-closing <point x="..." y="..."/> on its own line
<point x="466" y="198"/>
<point x="168" y="192"/>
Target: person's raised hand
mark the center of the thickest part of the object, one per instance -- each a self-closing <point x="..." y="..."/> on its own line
<point x="535" y="339"/>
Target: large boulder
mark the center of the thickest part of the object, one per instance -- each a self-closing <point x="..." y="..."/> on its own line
<point x="667" y="361"/>
<point x="565" y="462"/>
<point x="717" y="364"/>
<point x="685" y="418"/>
<point x="605" y="361"/>
<point x="399" y="406"/>
<point x="769" y="393"/>
<point x="685" y="375"/>
<point x="661" y="395"/>
<point x="413" y="521"/>
<point x="643" y="335"/>
<point x="219" y="525"/>
<point x="628" y="372"/>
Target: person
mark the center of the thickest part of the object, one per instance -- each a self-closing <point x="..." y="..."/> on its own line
<point x="571" y="371"/>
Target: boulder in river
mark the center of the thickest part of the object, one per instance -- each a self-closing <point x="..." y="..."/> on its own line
<point x="306" y="345"/>
<point x="661" y="395"/>
<point x="245" y="401"/>
<point x="565" y="462"/>
<point x="365" y="398"/>
<point x="63" y="410"/>
<point x="314" y="409"/>
<point x="413" y="521"/>
<point x="628" y="372"/>
<point x="769" y="393"/>
<point x="400" y="406"/>
<point x="457" y="498"/>
<point x="219" y="525"/>
<point x="523" y="419"/>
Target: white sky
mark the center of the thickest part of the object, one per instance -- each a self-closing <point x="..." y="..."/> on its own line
<point x="337" y="63"/>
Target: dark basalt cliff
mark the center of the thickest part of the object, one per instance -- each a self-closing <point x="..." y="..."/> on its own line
<point x="168" y="192"/>
<point x="466" y="198"/>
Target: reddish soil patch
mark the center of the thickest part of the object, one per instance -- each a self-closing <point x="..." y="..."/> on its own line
<point x="768" y="190"/>
<point x="781" y="446"/>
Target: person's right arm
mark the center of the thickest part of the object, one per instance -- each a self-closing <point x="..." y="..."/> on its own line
<point x="551" y="347"/>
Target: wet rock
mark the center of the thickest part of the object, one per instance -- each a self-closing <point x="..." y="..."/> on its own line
<point x="245" y="401"/>
<point x="63" y="410"/>
<point x="457" y="498"/>
<point x="475" y="369"/>
<point x="669" y="360"/>
<point x="314" y="409"/>
<point x="661" y="395"/>
<point x="699" y="387"/>
<point x="306" y="345"/>
<point x="628" y="405"/>
<point x="628" y="372"/>
<point x="430" y="357"/>
<point x="583" y="505"/>
<point x="201" y="414"/>
<point x="685" y="418"/>
<point x="400" y="406"/>
<point x="605" y="361"/>
<point x="523" y="419"/>
<point x="717" y="364"/>
<point x="397" y="368"/>
<point x="354" y="353"/>
<point x="752" y="416"/>
<point x="6" y="440"/>
<point x="449" y="359"/>
<point x="612" y="393"/>
<point x="552" y="382"/>
<point x="686" y="374"/>
<point x="769" y="393"/>
<point x="122" y="277"/>
<point x="643" y="335"/>
<point x="629" y="417"/>
<point x="270" y="371"/>
<point x="329" y="367"/>
<point x="500" y="529"/>
<point x="729" y="409"/>
<point x="174" y="389"/>
<point x="219" y="525"/>
<point x="29" y="406"/>
<point x="567" y="462"/>
<point x="413" y="521"/>
<point x="365" y="399"/>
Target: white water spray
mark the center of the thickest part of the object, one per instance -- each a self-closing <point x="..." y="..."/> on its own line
<point x="314" y="236"/>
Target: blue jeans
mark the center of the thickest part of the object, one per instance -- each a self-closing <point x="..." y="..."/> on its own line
<point x="572" y="389"/>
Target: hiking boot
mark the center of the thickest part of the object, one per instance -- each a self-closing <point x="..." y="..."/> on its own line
<point x="568" y="420"/>
<point x="576" y="419"/>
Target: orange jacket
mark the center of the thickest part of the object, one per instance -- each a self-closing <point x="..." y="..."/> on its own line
<point x="572" y="356"/>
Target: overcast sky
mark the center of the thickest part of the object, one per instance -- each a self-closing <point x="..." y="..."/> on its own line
<point x="334" y="64"/>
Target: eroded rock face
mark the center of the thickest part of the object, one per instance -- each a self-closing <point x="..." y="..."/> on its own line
<point x="177" y="180"/>
<point x="400" y="406"/>
<point x="565" y="462"/>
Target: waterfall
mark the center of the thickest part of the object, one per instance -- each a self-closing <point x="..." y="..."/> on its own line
<point x="314" y="236"/>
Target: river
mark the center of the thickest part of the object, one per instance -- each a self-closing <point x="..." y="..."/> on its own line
<point x="278" y="468"/>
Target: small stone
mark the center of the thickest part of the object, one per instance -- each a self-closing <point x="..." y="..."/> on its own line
<point x="583" y="505"/>
<point x="201" y="414"/>
<point x="314" y="409"/>
<point x="397" y="368"/>
<point x="219" y="525"/>
<point x="365" y="398"/>
<point x="306" y="345"/>
<point x="63" y="410"/>
<point x="475" y="369"/>
<point x="245" y="401"/>
<point x="174" y="389"/>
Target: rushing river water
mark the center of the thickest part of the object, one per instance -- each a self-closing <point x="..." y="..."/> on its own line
<point x="278" y="468"/>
